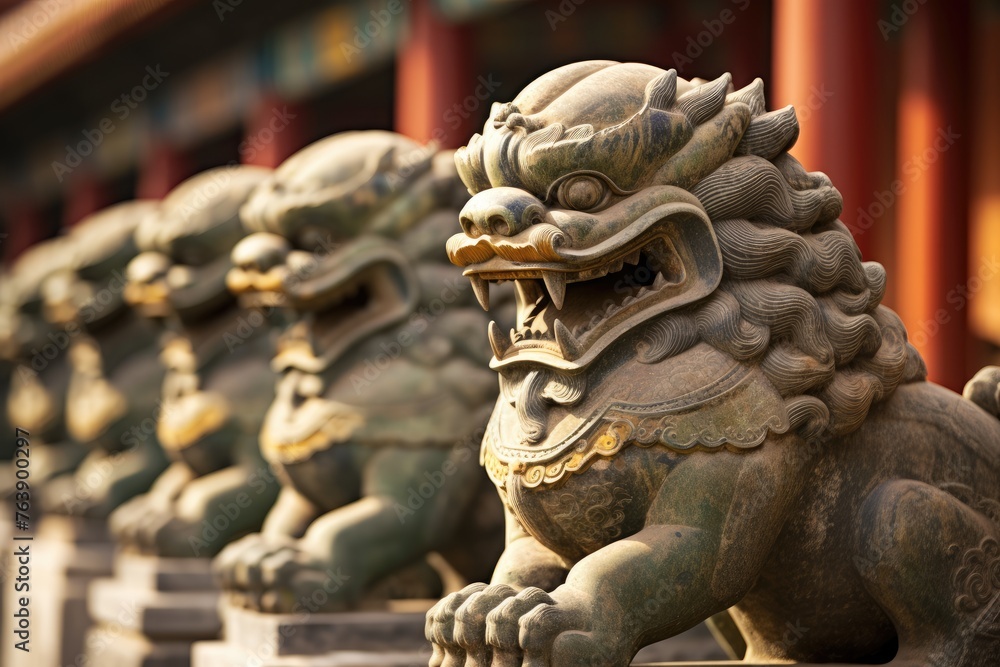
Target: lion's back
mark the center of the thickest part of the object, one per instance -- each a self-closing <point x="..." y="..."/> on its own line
<point x="929" y="433"/>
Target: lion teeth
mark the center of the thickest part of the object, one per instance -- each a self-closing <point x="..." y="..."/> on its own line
<point x="514" y="336"/>
<point x="629" y="300"/>
<point x="660" y="281"/>
<point x="498" y="341"/>
<point x="482" y="290"/>
<point x="555" y="283"/>
<point x="632" y="258"/>
<point x="569" y="346"/>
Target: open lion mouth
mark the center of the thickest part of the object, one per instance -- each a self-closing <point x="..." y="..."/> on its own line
<point x="565" y="312"/>
<point x="340" y="313"/>
<point x="585" y="280"/>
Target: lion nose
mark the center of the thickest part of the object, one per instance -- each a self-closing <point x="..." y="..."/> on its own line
<point x="501" y="212"/>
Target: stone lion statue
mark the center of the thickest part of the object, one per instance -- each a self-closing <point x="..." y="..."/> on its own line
<point x="384" y="387"/>
<point x="114" y="375"/>
<point x="703" y="404"/>
<point x="217" y="385"/>
<point x="35" y="353"/>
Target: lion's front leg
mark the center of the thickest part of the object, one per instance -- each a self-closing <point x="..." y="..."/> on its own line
<point x="655" y="583"/>
<point x="690" y="561"/>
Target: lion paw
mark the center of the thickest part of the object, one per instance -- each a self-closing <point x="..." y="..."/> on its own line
<point x="456" y="626"/>
<point x="238" y="567"/>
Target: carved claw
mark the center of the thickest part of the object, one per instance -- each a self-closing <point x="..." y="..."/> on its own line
<point x="503" y="630"/>
<point x="538" y="629"/>
<point x="470" y="623"/>
<point x="439" y="628"/>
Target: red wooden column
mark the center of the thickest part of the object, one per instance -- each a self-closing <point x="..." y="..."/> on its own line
<point x="933" y="146"/>
<point x="985" y="229"/>
<point x="273" y="131"/>
<point x="162" y="167"/>
<point x="26" y="227"/>
<point x="86" y="194"/>
<point x="438" y="93"/>
<point x="826" y="59"/>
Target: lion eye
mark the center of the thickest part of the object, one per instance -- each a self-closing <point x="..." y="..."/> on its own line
<point x="583" y="193"/>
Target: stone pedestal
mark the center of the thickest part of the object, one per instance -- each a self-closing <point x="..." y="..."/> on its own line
<point x="392" y="638"/>
<point x="152" y="611"/>
<point x="66" y="555"/>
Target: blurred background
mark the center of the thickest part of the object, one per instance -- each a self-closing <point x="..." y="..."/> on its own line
<point x="899" y="103"/>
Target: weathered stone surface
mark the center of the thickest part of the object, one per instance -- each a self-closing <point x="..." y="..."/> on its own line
<point x="705" y="405"/>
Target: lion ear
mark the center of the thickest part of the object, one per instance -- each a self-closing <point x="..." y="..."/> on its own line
<point x="701" y="103"/>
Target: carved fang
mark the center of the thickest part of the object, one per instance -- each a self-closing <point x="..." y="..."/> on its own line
<point x="555" y="283"/>
<point x="568" y="344"/>
<point x="482" y="290"/>
<point x="498" y="341"/>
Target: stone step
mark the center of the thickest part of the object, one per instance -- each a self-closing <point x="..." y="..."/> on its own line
<point x="161" y="615"/>
<point x="222" y="654"/>
<point x="164" y="574"/>
<point x="317" y="634"/>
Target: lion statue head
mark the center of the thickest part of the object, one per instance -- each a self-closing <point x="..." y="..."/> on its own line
<point x="641" y="215"/>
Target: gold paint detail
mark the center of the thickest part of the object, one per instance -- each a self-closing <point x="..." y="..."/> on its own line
<point x="187" y="420"/>
<point x="740" y="417"/>
<point x="336" y="430"/>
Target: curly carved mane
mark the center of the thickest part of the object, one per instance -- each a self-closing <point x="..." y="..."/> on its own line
<point x="795" y="296"/>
